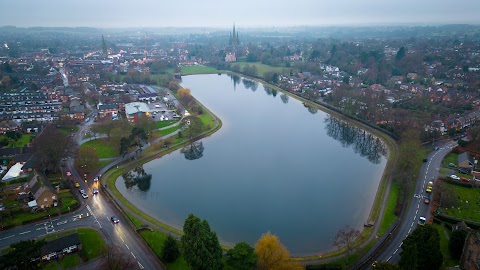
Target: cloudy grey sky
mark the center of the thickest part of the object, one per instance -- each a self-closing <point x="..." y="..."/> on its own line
<point x="246" y="13"/>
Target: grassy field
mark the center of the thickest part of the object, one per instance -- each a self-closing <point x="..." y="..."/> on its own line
<point x="67" y="200"/>
<point x="104" y="150"/>
<point x="450" y="158"/>
<point x="162" y="124"/>
<point x="189" y="70"/>
<point x="71" y="260"/>
<point x="389" y="216"/>
<point x="92" y="242"/>
<point x="261" y="68"/>
<point x="468" y="203"/>
<point x="166" y="131"/>
<point x="21" y="142"/>
<point x="50" y="266"/>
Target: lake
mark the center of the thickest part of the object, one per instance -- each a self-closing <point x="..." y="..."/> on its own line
<point x="276" y="165"/>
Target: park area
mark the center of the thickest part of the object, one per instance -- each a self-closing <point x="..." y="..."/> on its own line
<point x="466" y="203"/>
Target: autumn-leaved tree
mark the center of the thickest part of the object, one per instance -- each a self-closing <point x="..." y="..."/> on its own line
<point x="273" y="255"/>
<point x="200" y="245"/>
<point x="116" y="259"/>
<point x="184" y="95"/>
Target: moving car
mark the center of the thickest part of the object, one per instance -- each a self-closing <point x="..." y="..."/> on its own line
<point x="95" y="191"/>
<point x="429" y="186"/>
<point x="96" y="178"/>
<point x="114" y="219"/>
<point x="422" y="221"/>
<point x="69" y="174"/>
<point x="454" y="177"/>
<point x="427" y="200"/>
<point x="84" y="195"/>
<point x="77" y="184"/>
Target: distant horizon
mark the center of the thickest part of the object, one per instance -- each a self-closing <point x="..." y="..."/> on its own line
<point x="108" y="14"/>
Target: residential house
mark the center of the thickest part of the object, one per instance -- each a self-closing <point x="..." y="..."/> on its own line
<point x="107" y="110"/>
<point x="43" y="194"/>
<point x="60" y="246"/>
<point x="9" y="125"/>
<point x="465" y="161"/>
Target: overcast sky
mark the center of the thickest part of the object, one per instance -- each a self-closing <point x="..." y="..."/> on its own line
<point x="245" y="13"/>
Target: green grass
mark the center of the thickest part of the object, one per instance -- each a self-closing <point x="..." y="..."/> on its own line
<point x="67" y="200"/>
<point x="447" y="259"/>
<point x="189" y="70"/>
<point x="450" y="158"/>
<point x="468" y="203"/>
<point x="166" y="131"/>
<point x="21" y="142"/>
<point x="389" y="216"/>
<point x="444" y="171"/>
<point x="71" y="260"/>
<point x="156" y="240"/>
<point x="162" y="124"/>
<point x="261" y="68"/>
<point x="179" y="264"/>
<point x="104" y="149"/>
<point x="92" y="242"/>
<point x="50" y="266"/>
<point x="68" y="130"/>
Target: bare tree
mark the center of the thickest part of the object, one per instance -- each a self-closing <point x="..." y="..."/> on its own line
<point x="345" y="238"/>
<point x="116" y="259"/>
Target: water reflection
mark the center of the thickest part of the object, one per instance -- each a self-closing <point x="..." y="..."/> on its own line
<point x="193" y="151"/>
<point x="363" y="142"/>
<point x="137" y="177"/>
<point x="310" y="109"/>
<point x="284" y="98"/>
<point x="235" y="79"/>
<point x="250" y="84"/>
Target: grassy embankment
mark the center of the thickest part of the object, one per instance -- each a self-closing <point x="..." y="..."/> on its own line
<point x="199" y="69"/>
<point x="262" y="68"/>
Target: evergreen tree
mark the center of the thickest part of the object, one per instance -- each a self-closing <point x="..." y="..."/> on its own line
<point x="421" y="250"/>
<point x="170" y="251"/>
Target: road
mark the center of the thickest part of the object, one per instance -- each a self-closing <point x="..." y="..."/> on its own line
<point x="417" y="207"/>
<point x="95" y="212"/>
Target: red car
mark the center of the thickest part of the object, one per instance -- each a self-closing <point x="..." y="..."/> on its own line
<point x="463" y="179"/>
<point x="69" y="174"/>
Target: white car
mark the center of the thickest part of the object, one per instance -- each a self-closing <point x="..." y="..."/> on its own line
<point x="422" y="221"/>
<point x="84" y="195"/>
<point x="454" y="177"/>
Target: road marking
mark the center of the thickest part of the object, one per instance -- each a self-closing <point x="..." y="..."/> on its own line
<point x="395" y="251"/>
<point x="140" y="265"/>
<point x="418" y="206"/>
<point x="122" y="239"/>
<point x="24" y="232"/>
<point x="62" y="222"/>
<point x="387" y="259"/>
<point x="133" y="255"/>
<point x="40" y="228"/>
<point x="55" y="219"/>
<point x="127" y="247"/>
<point x="412" y="224"/>
<point x="90" y="210"/>
<point x="416" y="212"/>
<point x="8" y="237"/>
<point x="409" y="230"/>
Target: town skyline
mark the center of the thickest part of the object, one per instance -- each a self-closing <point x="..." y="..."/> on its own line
<point x="146" y="13"/>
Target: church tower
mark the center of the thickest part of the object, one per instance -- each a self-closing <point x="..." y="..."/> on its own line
<point x="104" y="47"/>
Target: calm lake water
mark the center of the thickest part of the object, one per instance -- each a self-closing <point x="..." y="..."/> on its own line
<point x="275" y="165"/>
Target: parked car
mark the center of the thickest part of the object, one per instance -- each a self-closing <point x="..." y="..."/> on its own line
<point x="69" y="174"/>
<point x="464" y="171"/>
<point x="114" y="219"/>
<point x="454" y="177"/>
<point x="463" y="179"/>
<point x="452" y="165"/>
<point x="81" y="191"/>
<point x="425" y="159"/>
<point x="77" y="185"/>
<point x="437" y="148"/>
<point x="427" y="200"/>
<point x="84" y="195"/>
<point x="422" y="221"/>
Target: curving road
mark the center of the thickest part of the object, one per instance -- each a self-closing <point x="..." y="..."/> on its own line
<point x="416" y="207"/>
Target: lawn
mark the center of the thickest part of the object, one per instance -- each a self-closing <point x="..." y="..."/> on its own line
<point x="67" y="201"/>
<point x="261" y="68"/>
<point x="199" y="69"/>
<point x="50" y="266"/>
<point x="71" y="260"/>
<point x="92" y="242"/>
<point x="104" y="149"/>
<point x="389" y="216"/>
<point x="68" y="129"/>
<point x="467" y="205"/>
<point x="162" y="124"/>
<point x="21" y="142"/>
<point x="155" y="240"/>
<point x="166" y="131"/>
<point x="450" y="158"/>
